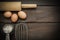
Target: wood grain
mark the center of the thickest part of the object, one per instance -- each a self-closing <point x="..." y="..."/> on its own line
<point x="42" y="22"/>
<point x="39" y="2"/>
<point x="39" y="31"/>
<point x="40" y="14"/>
<point x="10" y="6"/>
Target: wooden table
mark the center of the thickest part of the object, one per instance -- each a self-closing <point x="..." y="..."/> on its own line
<point x="42" y="23"/>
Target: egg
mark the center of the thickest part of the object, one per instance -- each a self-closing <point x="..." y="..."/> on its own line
<point x="14" y="17"/>
<point x="22" y="15"/>
<point x="7" y="14"/>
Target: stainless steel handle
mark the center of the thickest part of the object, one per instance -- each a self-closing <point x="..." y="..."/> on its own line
<point x="7" y="37"/>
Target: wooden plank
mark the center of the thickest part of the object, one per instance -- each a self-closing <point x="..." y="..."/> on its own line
<point x="40" y="14"/>
<point x="37" y="31"/>
<point x="39" y="2"/>
<point x="44" y="31"/>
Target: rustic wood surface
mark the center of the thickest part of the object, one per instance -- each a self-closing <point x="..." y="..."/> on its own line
<point x="40" y="14"/>
<point x="39" y="2"/>
<point x="43" y="22"/>
<point x="37" y="31"/>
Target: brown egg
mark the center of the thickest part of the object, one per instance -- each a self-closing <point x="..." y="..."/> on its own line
<point x="7" y="14"/>
<point x="14" y="18"/>
<point x="22" y="15"/>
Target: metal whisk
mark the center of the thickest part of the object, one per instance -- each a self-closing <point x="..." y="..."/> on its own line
<point x="21" y="32"/>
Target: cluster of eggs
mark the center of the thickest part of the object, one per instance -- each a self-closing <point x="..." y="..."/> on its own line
<point x="14" y="16"/>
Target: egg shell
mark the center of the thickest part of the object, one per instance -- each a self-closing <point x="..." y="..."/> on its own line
<point x="22" y="15"/>
<point x="14" y="18"/>
<point x="7" y="14"/>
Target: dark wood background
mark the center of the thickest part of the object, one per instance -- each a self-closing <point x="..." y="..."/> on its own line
<point x="43" y="22"/>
